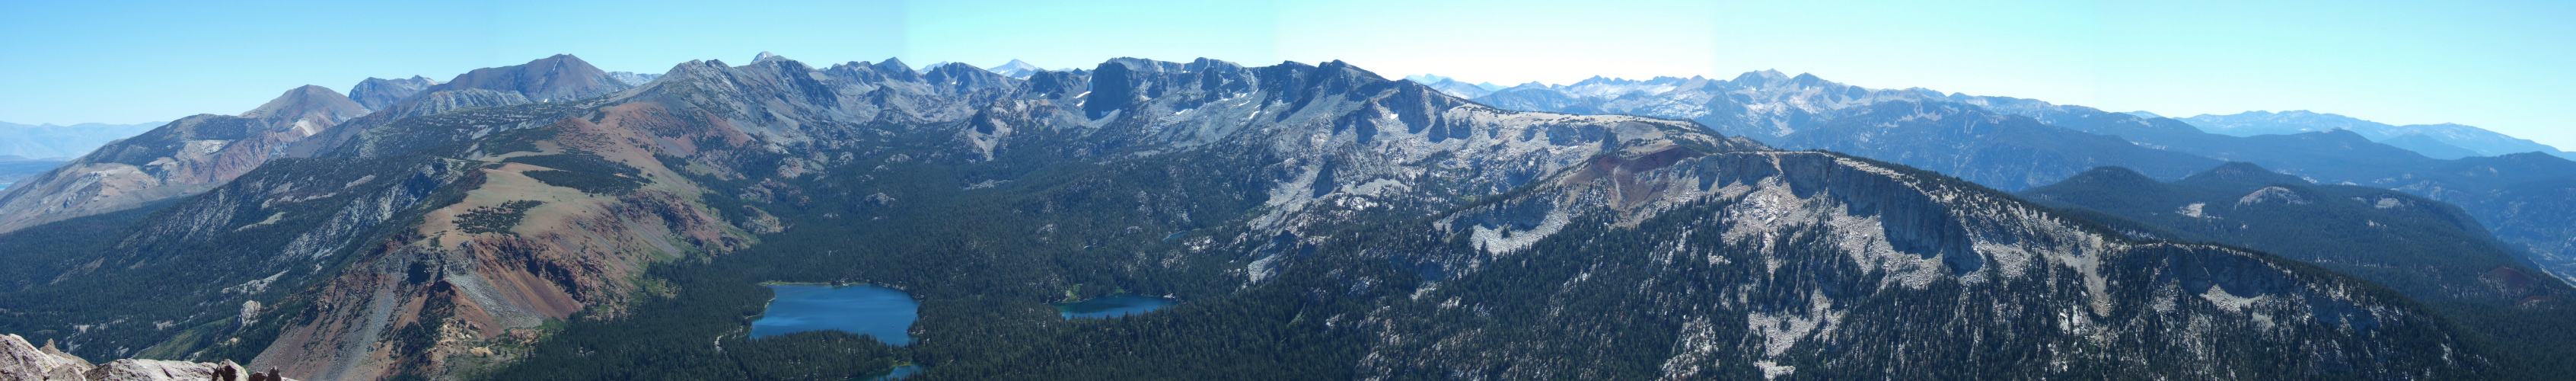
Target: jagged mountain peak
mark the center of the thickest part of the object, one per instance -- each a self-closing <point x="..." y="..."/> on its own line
<point x="925" y="69"/>
<point x="776" y="61"/>
<point x="1204" y="64"/>
<point x="556" y="78"/>
<point x="379" y="93"/>
<point x="1146" y="65"/>
<point x="1760" y="76"/>
<point x="890" y="64"/>
<point x="948" y="65"/>
<point x="765" y="56"/>
<point x="1017" y="69"/>
<point x="960" y="77"/>
<point x="309" y="100"/>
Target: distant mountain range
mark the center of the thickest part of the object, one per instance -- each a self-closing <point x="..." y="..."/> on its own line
<point x="2428" y="249"/>
<point x="48" y="141"/>
<point x="179" y="159"/>
<point x="199" y="152"/>
<point x="1454" y="86"/>
<point x="378" y="93"/>
<point x="2439" y="141"/>
<point x="2014" y="143"/>
<point x="13" y="168"/>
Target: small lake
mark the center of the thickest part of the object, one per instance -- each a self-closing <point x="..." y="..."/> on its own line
<point x="900" y="372"/>
<point x="881" y="312"/>
<point x="1112" y="306"/>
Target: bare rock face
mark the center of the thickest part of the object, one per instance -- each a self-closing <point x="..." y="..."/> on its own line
<point x="153" y="370"/>
<point x="378" y="93"/>
<point x="198" y="153"/>
<point x="179" y="159"/>
<point x="20" y="361"/>
<point x="551" y="79"/>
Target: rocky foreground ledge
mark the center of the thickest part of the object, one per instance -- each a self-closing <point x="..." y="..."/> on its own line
<point x="23" y="361"/>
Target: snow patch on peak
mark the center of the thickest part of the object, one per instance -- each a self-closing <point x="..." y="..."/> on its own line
<point x="1017" y="69"/>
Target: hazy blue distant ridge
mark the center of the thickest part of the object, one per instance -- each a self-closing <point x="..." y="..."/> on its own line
<point x="2477" y="141"/>
<point x="55" y="141"/>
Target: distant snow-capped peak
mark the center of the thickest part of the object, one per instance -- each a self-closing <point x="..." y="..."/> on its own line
<point x="1017" y="69"/>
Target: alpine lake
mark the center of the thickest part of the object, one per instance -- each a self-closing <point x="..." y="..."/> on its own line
<point x="879" y="312"/>
<point x="887" y="314"/>
<point x="1111" y="306"/>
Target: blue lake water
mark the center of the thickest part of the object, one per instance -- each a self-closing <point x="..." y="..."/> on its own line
<point x="1111" y="306"/>
<point x="867" y="310"/>
<point x="900" y="372"/>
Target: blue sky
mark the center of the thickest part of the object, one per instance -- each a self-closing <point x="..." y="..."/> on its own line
<point x="2503" y="65"/>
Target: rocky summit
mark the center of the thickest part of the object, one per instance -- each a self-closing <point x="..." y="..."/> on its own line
<point x="20" y="361"/>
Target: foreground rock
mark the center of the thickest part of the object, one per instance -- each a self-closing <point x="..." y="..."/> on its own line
<point x="22" y="361"/>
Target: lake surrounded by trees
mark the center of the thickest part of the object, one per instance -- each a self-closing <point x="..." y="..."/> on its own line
<point x="880" y="312"/>
<point x="1111" y="306"/>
